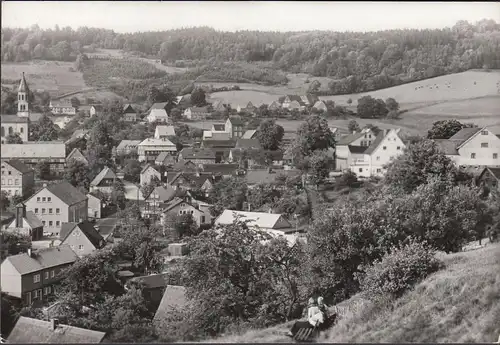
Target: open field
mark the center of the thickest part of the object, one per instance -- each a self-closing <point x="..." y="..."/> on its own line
<point x="54" y="77"/>
<point x="456" y="304"/>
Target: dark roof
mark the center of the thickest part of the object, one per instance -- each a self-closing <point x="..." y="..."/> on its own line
<point x="264" y="176"/>
<point x="184" y="165"/>
<point x="165" y="193"/>
<point x="164" y="156"/>
<point x="42" y="259"/>
<point x="447" y="146"/>
<point x="152" y="281"/>
<point x="28" y="330"/>
<point x="200" y="110"/>
<point x="13" y="119"/>
<point x="236" y="121"/>
<point x="357" y="149"/>
<point x="19" y="166"/>
<point x="174" y="298"/>
<point x="87" y="228"/>
<point x="248" y="143"/>
<point x="495" y="172"/>
<point x="294" y="98"/>
<point x="378" y="139"/>
<point x="66" y="192"/>
<point x="219" y="127"/>
<point x="347" y="139"/>
<point x="146" y="168"/>
<point x="194" y="180"/>
<point x="23" y="85"/>
<point x="33" y="220"/>
<point x="106" y="173"/>
<point x="160" y="105"/>
<point x="219" y="143"/>
<point x="128" y="107"/>
<point x="465" y="134"/>
<point x="224" y="169"/>
<point x="197" y="153"/>
<point x="106" y="226"/>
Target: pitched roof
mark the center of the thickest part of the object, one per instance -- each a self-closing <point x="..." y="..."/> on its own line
<point x="447" y="146"/>
<point x="164" y="156"/>
<point x="378" y="140"/>
<point x="23" y="85"/>
<point x="160" y="105"/>
<point x="162" y="130"/>
<point x="465" y="133"/>
<point x="42" y="259"/>
<point x="128" y="106"/>
<point x="495" y="172"/>
<point x="33" y="220"/>
<point x="158" y="113"/>
<point x="218" y="168"/>
<point x="174" y="298"/>
<point x="157" y="142"/>
<point x="249" y="134"/>
<point x="106" y="226"/>
<point x="209" y="142"/>
<point x="256" y="176"/>
<point x="76" y="154"/>
<point x="106" y="173"/>
<point x="45" y="149"/>
<point x="146" y="168"/>
<point x="28" y="330"/>
<point x="200" y="110"/>
<point x="236" y="121"/>
<point x="209" y="135"/>
<point x="262" y="220"/>
<point x="13" y="119"/>
<point x="152" y="281"/>
<point x="347" y="139"/>
<point x="294" y="98"/>
<point x="197" y="153"/>
<point x="248" y="143"/>
<point x="319" y="104"/>
<point x="19" y="166"/>
<point x="357" y="149"/>
<point x="165" y="193"/>
<point x="124" y="144"/>
<point x="66" y="192"/>
<point x="86" y="227"/>
<point x="183" y="165"/>
<point x="219" y="127"/>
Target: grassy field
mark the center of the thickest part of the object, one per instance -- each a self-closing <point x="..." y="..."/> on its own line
<point x="54" y="77"/>
<point x="457" y="304"/>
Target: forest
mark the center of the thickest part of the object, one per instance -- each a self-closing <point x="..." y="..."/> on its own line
<point x="355" y="61"/>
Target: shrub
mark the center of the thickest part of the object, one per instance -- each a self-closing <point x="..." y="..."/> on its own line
<point x="399" y="270"/>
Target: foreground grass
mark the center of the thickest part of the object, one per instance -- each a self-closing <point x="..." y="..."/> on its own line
<point x="460" y="303"/>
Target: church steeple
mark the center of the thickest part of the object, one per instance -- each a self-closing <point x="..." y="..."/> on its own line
<point x="23" y="106"/>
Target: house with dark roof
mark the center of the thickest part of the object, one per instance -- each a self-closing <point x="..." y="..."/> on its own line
<point x="165" y="159"/>
<point x="126" y="147"/>
<point x="164" y="131"/>
<point x="220" y="170"/>
<point x="293" y="102"/>
<point x="174" y="300"/>
<point x="31" y="276"/>
<point x="148" y="173"/>
<point x="82" y="237"/>
<point x="472" y="147"/>
<point x="234" y="126"/>
<point x="200" y="211"/>
<point x="254" y="177"/>
<point x="29" y="331"/>
<point x="196" y="113"/>
<point x="95" y="206"/>
<point x="58" y="203"/>
<point x="250" y="134"/>
<point x="490" y="177"/>
<point x="62" y="107"/>
<point x="76" y="154"/>
<point x="191" y="181"/>
<point x="159" y="197"/>
<point x="104" y="181"/>
<point x="153" y="287"/>
<point x="26" y="223"/>
<point x="31" y="153"/>
<point x="197" y="155"/>
<point x="17" y="178"/>
<point x="106" y="227"/>
<point x="129" y="113"/>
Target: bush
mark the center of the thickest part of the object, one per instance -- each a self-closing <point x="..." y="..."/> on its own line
<point x="399" y="270"/>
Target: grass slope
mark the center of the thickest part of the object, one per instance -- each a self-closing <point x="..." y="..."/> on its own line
<point x="460" y="303"/>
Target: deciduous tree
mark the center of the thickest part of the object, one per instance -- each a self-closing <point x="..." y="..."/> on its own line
<point x="270" y="135"/>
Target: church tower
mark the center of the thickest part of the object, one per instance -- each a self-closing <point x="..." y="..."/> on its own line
<point x="23" y="109"/>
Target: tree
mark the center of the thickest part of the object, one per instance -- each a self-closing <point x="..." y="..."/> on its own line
<point x="444" y="129"/>
<point x="419" y="162"/>
<point x="229" y="194"/>
<point x="117" y="196"/>
<point x="14" y="139"/>
<point x="160" y="95"/>
<point x="349" y="101"/>
<point x="183" y="225"/>
<point x="148" y="188"/>
<point x="99" y="146"/>
<point x="43" y="130"/>
<point x="270" y="135"/>
<point x="347" y="179"/>
<point x="77" y="173"/>
<point x="42" y="170"/>
<point x="391" y="104"/>
<point x="176" y="114"/>
<point x="132" y="170"/>
<point x="314" y="134"/>
<point x="369" y="107"/>
<point x="198" y="97"/>
<point x="4" y="200"/>
<point x="262" y="194"/>
<point x="14" y="243"/>
<point x="353" y="126"/>
<point x="75" y="102"/>
<point x="319" y="164"/>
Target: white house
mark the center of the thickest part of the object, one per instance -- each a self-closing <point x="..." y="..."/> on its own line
<point x="472" y="147"/>
<point x="150" y="148"/>
<point x="162" y="131"/>
<point x="62" y="107"/>
<point x="158" y="115"/>
<point x="272" y="223"/>
<point x="196" y="113"/>
<point x="320" y="105"/>
<point x="180" y="206"/>
<point x="366" y="154"/>
<point x="147" y="174"/>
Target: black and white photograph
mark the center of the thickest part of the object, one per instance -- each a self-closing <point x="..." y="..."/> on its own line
<point x="250" y="172"/>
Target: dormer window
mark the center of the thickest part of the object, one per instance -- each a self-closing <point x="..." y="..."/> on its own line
<point x="484" y="144"/>
<point x="385" y="147"/>
<point x="484" y="132"/>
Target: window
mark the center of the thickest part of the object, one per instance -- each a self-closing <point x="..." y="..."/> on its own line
<point x="50" y="211"/>
<point x="58" y="223"/>
<point x="495" y="156"/>
<point x="58" y="210"/>
<point x="43" y="211"/>
<point x="35" y="294"/>
<point x="43" y="199"/>
<point x="36" y="210"/>
<point x="9" y="172"/>
<point x="10" y="181"/>
<point x="484" y="144"/>
<point x="473" y="156"/>
<point x="378" y="158"/>
<point x="379" y="170"/>
<point x="398" y="148"/>
<point x="80" y="247"/>
<point x="43" y="222"/>
<point x="52" y="274"/>
<point x="47" y="275"/>
<point x="46" y="290"/>
<point x="203" y="219"/>
<point x="385" y="147"/>
<point x="38" y="199"/>
<point x="50" y="223"/>
<point x="370" y="136"/>
<point x="22" y="130"/>
<point x="49" y="199"/>
<point x="360" y="169"/>
<point x="180" y="212"/>
<point x="484" y="132"/>
<point x="36" y="278"/>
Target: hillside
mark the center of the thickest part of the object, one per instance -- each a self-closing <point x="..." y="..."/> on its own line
<point x="460" y="303"/>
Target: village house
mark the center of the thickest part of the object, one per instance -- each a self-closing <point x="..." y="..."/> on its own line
<point x="255" y="177"/>
<point x="31" y="276"/>
<point x="275" y="105"/>
<point x="220" y="170"/>
<point x="13" y="124"/>
<point x="104" y="181"/>
<point x="183" y="101"/>
<point x="17" y="178"/>
<point x="62" y="107"/>
<point x="472" y="147"/>
<point x="157" y="115"/>
<point x="197" y="155"/>
<point x="234" y="126"/>
<point x="77" y="136"/>
<point x="153" y="287"/>
<point x="95" y="206"/>
<point x="271" y="223"/>
<point x="181" y="206"/>
<point x="160" y="106"/>
<point x="191" y="181"/>
<point x="250" y="134"/>
<point x="366" y="154"/>
<point x="126" y="147"/>
<point x="150" y="148"/>
<point x="490" y="177"/>
<point x="129" y="113"/>
<point x="147" y="174"/>
<point x="26" y="223"/>
<point x="52" y="152"/>
<point x="77" y="155"/>
<point x="219" y="106"/>
<point x="221" y="148"/>
<point x="196" y="113"/>
<point x="165" y="159"/>
<point x="163" y="132"/>
<point x="293" y="102"/>
<point x="159" y="197"/>
<point x="249" y="108"/>
<point x="81" y="237"/>
<point x="29" y="331"/>
<point x="320" y="106"/>
<point x="96" y="109"/>
<point x="58" y="203"/>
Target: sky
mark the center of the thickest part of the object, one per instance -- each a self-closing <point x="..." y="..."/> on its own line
<point x="245" y="15"/>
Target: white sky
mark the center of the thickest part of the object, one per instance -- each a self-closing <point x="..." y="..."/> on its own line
<point x="245" y="15"/>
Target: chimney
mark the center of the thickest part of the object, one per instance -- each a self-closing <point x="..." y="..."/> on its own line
<point x="30" y="252"/>
<point x="120" y="175"/>
<point x="44" y="185"/>
<point x="20" y="214"/>
<point x="54" y="323"/>
<point x="80" y="220"/>
<point x="96" y="227"/>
